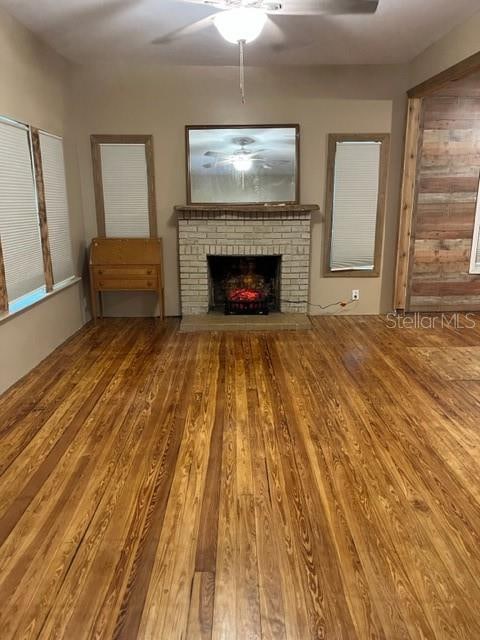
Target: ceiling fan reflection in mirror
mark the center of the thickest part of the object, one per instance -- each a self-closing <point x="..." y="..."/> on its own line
<point x="242" y="21"/>
<point x="242" y="159"/>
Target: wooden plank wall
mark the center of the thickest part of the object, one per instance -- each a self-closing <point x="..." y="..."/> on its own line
<point x="447" y="184"/>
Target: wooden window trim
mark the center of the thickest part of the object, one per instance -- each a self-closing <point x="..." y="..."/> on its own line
<point x="333" y="138"/>
<point x="3" y="284"/>
<point x="42" y="208"/>
<point x="147" y="140"/>
<point x="474" y="268"/>
<point x="37" y="168"/>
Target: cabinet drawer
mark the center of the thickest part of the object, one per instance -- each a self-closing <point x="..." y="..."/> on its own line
<point x="125" y="284"/>
<point x="125" y="272"/>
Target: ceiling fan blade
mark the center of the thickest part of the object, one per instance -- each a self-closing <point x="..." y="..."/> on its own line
<point x="209" y="165"/>
<point x="216" y="4"/>
<point x="255" y="152"/>
<point x="330" y="7"/>
<point x="287" y="37"/>
<point x="187" y="30"/>
<point x="215" y="154"/>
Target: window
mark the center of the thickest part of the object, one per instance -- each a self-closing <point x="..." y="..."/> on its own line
<point x="35" y="243"/>
<point x="56" y="204"/>
<point x="19" y="225"/>
<point x="124" y="186"/>
<point x="475" y="254"/>
<point x="356" y="184"/>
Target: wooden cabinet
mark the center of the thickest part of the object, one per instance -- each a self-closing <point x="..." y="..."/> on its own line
<point x="126" y="264"/>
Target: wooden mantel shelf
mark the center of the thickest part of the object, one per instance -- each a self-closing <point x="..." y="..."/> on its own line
<point x="193" y="209"/>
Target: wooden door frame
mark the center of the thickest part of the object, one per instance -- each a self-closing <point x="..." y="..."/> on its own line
<point x="413" y="139"/>
<point x="459" y="71"/>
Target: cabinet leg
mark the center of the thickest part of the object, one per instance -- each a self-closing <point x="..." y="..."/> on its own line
<point x="161" y="302"/>
<point x="93" y="303"/>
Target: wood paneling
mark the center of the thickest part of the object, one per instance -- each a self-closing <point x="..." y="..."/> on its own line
<point x="301" y="485"/>
<point x="467" y="86"/>
<point x="447" y="185"/>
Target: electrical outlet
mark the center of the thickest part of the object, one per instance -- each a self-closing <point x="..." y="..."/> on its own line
<point x="355" y="294"/>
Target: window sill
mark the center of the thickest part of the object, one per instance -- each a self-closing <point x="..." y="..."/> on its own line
<point x="8" y="315"/>
<point x="351" y="273"/>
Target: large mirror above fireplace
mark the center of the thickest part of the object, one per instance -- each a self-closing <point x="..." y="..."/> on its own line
<point x="242" y="164"/>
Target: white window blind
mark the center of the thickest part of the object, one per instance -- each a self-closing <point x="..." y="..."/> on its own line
<point x="125" y="190"/>
<point x="475" y="254"/>
<point x="19" y="226"/>
<point x="355" y="203"/>
<point x="56" y="203"/>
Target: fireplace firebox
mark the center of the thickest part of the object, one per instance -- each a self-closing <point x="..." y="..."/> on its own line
<point x="244" y="285"/>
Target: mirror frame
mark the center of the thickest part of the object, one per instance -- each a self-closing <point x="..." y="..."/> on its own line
<point x="221" y="127"/>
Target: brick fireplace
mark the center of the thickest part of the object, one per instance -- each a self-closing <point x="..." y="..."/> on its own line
<point x="248" y="231"/>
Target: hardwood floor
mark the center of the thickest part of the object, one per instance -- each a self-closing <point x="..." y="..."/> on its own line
<point x="294" y="485"/>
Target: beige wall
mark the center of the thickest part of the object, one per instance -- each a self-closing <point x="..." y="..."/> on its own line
<point x="29" y="337"/>
<point x="34" y="88"/>
<point x="161" y="101"/>
<point x="460" y="43"/>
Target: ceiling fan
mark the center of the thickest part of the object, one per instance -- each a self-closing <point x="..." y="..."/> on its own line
<point x="242" y="159"/>
<point x="242" y="21"/>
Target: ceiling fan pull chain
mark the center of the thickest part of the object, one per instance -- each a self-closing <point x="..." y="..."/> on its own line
<point x="241" y="44"/>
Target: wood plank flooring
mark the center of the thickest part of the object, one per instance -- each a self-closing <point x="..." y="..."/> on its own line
<point x="284" y="485"/>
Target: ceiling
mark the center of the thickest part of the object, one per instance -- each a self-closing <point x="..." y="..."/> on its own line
<point x="101" y="30"/>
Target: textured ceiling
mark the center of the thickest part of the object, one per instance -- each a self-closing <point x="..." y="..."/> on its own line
<point x="101" y="30"/>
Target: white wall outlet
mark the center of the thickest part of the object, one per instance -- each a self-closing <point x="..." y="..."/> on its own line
<point x="355" y="294"/>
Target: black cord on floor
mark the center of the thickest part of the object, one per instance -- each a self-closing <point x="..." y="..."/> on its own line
<point x="319" y="306"/>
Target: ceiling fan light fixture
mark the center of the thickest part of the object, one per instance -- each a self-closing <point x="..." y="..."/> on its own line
<point x="240" y="25"/>
<point x="243" y="164"/>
